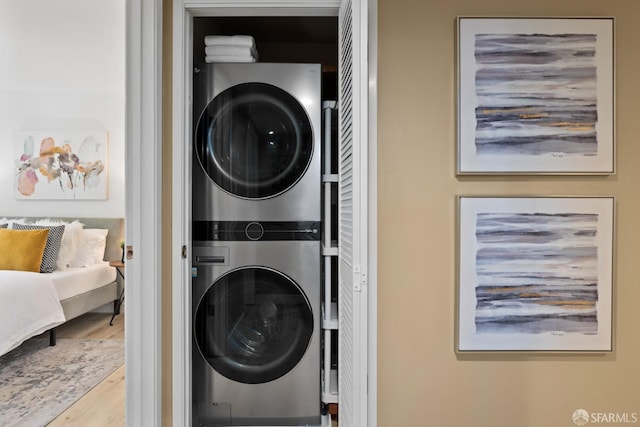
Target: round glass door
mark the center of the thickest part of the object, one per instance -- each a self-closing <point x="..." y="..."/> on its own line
<point x="254" y="140"/>
<point x="253" y="325"/>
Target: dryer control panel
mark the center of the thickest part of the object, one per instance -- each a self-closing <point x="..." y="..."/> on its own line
<point x="240" y="231"/>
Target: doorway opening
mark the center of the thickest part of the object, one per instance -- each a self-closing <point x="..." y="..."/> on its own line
<point x="299" y="40"/>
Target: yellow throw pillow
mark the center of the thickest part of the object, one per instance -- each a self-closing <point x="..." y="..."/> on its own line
<point x="22" y="250"/>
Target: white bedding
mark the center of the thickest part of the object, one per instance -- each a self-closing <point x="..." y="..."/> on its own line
<point x="29" y="305"/>
<point x="77" y="280"/>
<point x="30" y="302"/>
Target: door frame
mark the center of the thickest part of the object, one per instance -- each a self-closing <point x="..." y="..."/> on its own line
<point x="143" y="212"/>
<point x="143" y="209"/>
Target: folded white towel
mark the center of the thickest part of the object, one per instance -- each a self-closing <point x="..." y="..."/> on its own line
<point x="228" y="58"/>
<point x="230" y="40"/>
<point x="231" y="50"/>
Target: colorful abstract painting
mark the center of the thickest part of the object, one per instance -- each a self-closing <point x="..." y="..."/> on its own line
<point x="69" y="165"/>
<point x="536" y="95"/>
<point x="535" y="273"/>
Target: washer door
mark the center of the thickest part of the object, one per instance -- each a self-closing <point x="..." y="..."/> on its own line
<point x="253" y="325"/>
<point x="254" y="140"/>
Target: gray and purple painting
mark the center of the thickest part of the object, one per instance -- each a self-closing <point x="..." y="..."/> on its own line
<point x="536" y="94"/>
<point x="537" y="273"/>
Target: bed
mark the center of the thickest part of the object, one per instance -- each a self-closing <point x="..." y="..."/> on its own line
<point x="34" y="302"/>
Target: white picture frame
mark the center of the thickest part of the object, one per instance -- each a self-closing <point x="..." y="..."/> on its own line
<point x="535" y="274"/>
<point x="535" y="96"/>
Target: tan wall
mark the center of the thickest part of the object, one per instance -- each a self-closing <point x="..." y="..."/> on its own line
<point x="421" y="380"/>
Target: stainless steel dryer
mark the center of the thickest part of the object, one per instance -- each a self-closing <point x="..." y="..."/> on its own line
<point x="257" y="142"/>
<point x="256" y="325"/>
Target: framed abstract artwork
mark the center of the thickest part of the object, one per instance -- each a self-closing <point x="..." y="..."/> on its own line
<point x="61" y="165"/>
<point x="535" y="96"/>
<point x="535" y="273"/>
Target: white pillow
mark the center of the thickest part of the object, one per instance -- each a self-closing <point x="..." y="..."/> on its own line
<point x="91" y="246"/>
<point x="98" y="252"/>
<point x="69" y="245"/>
<point x="70" y="240"/>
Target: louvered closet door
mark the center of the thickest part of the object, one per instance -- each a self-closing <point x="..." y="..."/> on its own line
<point x="352" y="139"/>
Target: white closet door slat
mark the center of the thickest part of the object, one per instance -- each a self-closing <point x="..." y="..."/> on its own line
<point x="352" y="307"/>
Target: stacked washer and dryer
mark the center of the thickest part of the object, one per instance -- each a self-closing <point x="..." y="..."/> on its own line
<point x="256" y="206"/>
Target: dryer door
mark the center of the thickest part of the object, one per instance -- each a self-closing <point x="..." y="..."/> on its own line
<point x="254" y="140"/>
<point x="253" y="325"/>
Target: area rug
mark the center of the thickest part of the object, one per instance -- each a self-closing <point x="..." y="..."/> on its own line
<point x="39" y="382"/>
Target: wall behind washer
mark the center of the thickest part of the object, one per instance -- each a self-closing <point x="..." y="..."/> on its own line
<point x="62" y="68"/>
<point x="421" y="380"/>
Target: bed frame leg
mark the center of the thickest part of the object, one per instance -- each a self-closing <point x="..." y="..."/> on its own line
<point x="52" y="337"/>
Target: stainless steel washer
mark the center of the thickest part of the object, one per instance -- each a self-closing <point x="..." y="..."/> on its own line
<point x="256" y="143"/>
<point x="256" y="330"/>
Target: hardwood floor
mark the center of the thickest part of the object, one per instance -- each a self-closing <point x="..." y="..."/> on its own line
<point x="104" y="405"/>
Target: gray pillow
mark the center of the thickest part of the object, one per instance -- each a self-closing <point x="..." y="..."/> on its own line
<point x="51" y="249"/>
